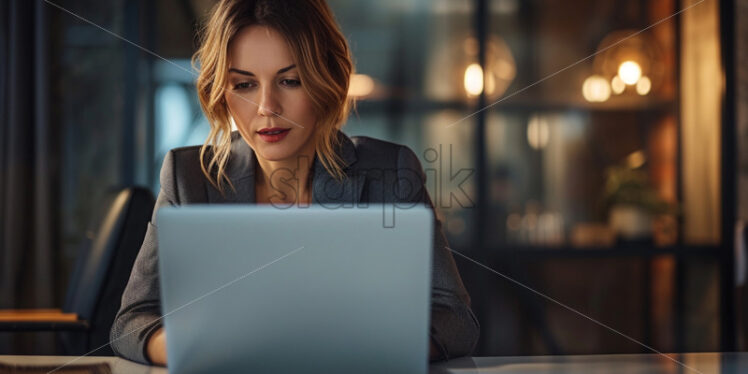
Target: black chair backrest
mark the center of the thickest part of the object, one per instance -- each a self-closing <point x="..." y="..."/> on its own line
<point x="104" y="265"/>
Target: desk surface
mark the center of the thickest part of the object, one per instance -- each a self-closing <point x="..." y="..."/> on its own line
<point x="697" y="363"/>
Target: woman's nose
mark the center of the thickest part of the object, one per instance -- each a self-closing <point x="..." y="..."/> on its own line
<point x="268" y="105"/>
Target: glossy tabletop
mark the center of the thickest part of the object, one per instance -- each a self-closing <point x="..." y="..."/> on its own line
<point x="697" y="363"/>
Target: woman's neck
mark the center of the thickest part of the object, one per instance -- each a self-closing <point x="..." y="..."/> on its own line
<point x="285" y="181"/>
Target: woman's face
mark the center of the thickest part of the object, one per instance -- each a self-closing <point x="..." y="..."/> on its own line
<point x="264" y="91"/>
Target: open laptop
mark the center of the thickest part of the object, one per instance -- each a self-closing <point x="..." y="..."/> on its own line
<point x="260" y="289"/>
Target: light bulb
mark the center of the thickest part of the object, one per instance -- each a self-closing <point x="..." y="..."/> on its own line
<point x="643" y="86"/>
<point x="617" y="85"/>
<point x="630" y="72"/>
<point x="473" y="80"/>
<point x="596" y="89"/>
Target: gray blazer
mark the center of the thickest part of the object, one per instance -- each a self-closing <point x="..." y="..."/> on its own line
<point x="369" y="165"/>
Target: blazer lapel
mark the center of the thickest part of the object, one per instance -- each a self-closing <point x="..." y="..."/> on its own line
<point x="241" y="171"/>
<point x="329" y="192"/>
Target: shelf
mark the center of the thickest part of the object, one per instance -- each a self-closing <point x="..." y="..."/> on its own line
<point x="385" y="106"/>
<point x="541" y="253"/>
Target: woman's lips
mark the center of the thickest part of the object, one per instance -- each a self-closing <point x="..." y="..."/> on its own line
<point x="273" y="135"/>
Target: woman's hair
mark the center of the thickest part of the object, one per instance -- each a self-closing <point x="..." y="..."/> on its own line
<point x="321" y="55"/>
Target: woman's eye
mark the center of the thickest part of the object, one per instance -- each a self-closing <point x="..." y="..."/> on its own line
<point x="291" y="82"/>
<point x="243" y="85"/>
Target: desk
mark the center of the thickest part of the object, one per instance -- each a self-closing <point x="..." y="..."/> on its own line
<point x="705" y="363"/>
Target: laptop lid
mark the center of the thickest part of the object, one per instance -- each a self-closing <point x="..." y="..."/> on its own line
<point x="262" y="289"/>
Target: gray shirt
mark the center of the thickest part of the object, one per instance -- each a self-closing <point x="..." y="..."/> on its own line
<point x="376" y="172"/>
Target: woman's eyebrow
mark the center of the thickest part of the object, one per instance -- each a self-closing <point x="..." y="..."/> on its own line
<point x="244" y="72"/>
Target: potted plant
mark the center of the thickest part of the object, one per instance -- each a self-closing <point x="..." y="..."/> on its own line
<point x="632" y="203"/>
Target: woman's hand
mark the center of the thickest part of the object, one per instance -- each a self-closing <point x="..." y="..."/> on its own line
<point x="156" y="347"/>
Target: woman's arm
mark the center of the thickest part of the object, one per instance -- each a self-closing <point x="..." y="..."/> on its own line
<point x="454" y="328"/>
<point x="139" y="317"/>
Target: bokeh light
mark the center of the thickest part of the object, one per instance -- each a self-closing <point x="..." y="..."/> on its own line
<point x="630" y="72"/>
<point x="596" y="89"/>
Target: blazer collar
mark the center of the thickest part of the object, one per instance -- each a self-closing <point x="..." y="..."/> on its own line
<point x="327" y="191"/>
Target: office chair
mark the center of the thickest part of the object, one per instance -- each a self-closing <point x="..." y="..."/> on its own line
<point x="741" y="294"/>
<point x="100" y="275"/>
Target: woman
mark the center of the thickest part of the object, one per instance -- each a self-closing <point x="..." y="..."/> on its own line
<point x="280" y="71"/>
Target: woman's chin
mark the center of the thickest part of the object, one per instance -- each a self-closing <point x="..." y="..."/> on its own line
<point x="280" y="151"/>
<point x="276" y="154"/>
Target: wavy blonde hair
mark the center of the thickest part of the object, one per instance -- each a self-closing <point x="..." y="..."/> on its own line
<point x="322" y="57"/>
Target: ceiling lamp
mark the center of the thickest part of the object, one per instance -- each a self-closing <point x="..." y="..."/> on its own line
<point x="628" y="58"/>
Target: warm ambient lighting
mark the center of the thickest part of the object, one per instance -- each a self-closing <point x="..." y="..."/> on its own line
<point x="473" y="80"/>
<point x="361" y="85"/>
<point x="636" y="160"/>
<point x="538" y="132"/>
<point x="596" y="89"/>
<point x="643" y="86"/>
<point x="457" y="72"/>
<point x="630" y="72"/>
<point x="617" y="85"/>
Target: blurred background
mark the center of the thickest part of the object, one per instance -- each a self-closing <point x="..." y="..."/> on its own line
<point x="591" y="150"/>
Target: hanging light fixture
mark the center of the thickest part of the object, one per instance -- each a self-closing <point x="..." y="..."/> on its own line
<point x="499" y="73"/>
<point x="454" y="71"/>
<point x="626" y="58"/>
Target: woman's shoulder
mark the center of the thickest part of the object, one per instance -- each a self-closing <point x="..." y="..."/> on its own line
<point x="373" y="151"/>
<point x="181" y="172"/>
<point x="181" y="160"/>
<point x="384" y="159"/>
<point x="373" y="145"/>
